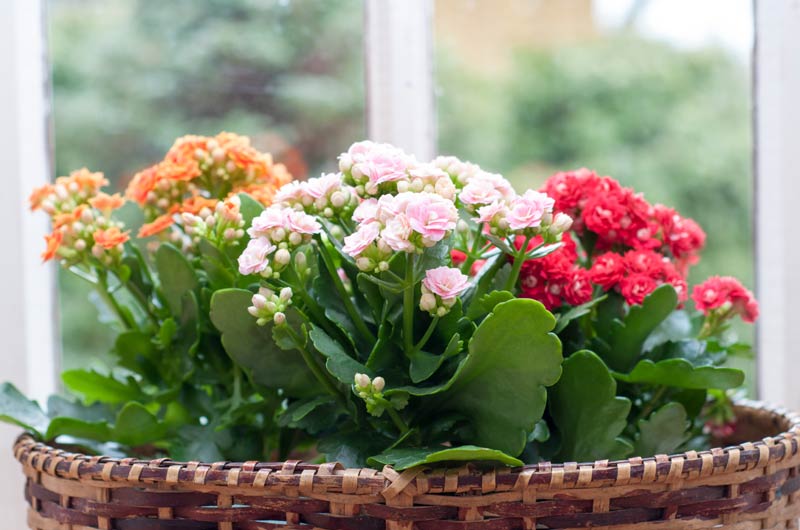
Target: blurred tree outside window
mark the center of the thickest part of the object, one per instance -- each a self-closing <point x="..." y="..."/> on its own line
<point x="130" y="76"/>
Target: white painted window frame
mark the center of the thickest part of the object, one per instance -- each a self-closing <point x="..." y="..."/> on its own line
<point x="29" y="354"/>
<point x="400" y="110"/>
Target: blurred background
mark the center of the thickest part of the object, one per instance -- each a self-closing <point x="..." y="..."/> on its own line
<point x="654" y="93"/>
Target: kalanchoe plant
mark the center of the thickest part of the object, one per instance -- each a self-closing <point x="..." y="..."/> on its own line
<point x="396" y="312"/>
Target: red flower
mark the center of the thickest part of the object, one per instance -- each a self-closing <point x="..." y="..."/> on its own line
<point x="570" y="189"/>
<point x="645" y="262"/>
<point x="457" y="257"/>
<point x="636" y="287"/>
<point x="725" y="292"/>
<point x="682" y="236"/>
<point x="607" y="270"/>
<point x="579" y="288"/>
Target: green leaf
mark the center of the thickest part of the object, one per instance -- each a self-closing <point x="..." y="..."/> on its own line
<point x="423" y="365"/>
<point x="681" y="373"/>
<point x="18" y="410"/>
<point x="59" y="406"/>
<point x="576" y="312"/>
<point x="216" y="265"/>
<point x="511" y="349"/>
<point x="90" y="430"/>
<point x="249" y="208"/>
<point x="587" y="412"/>
<point x="135" y="425"/>
<point x="351" y="448"/>
<point x="176" y="276"/>
<point x="405" y="458"/>
<point x="677" y="326"/>
<point x="663" y="432"/>
<point x="311" y="415"/>
<point x="627" y="338"/>
<point x="253" y="348"/>
<point x="486" y="304"/>
<point x="339" y="363"/>
<point x="94" y="387"/>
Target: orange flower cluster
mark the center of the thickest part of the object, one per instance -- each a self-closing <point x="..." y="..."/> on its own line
<point x="81" y="219"/>
<point x="197" y="173"/>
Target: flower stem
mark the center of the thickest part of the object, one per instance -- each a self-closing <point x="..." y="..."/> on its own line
<point x="408" y="306"/>
<point x="322" y="376"/>
<point x="652" y="404"/>
<point x="102" y="288"/>
<point x="361" y="326"/>
<point x="397" y="420"/>
<point x="472" y="255"/>
<point x="427" y="335"/>
<point x="519" y="259"/>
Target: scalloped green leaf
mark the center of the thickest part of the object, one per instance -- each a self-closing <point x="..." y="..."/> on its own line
<point x="587" y="412"/>
<point x="176" y="276"/>
<point x="663" y="432"/>
<point x="253" y="348"/>
<point x="135" y="425"/>
<point x="94" y="386"/>
<point x="627" y="337"/>
<point x="405" y="458"/>
<point x="681" y="373"/>
<point x="501" y="384"/>
<point x="339" y="363"/>
<point x="89" y="430"/>
<point x="18" y="410"/>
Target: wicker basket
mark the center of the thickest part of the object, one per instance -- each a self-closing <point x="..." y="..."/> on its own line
<point x="748" y="486"/>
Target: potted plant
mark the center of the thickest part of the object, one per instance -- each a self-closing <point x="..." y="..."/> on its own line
<point x="418" y="318"/>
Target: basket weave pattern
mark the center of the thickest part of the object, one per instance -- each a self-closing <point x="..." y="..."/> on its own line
<point x="755" y="485"/>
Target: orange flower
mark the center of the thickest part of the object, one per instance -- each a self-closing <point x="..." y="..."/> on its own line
<point x="157" y="226"/>
<point x="53" y="243"/>
<point x="65" y="219"/>
<point x="142" y="184"/>
<point x="186" y="147"/>
<point x="85" y="179"/>
<point x="110" y="237"/>
<point x="193" y="205"/>
<point x="105" y="202"/>
<point x="184" y="170"/>
<point x="263" y="193"/>
<point x="38" y="195"/>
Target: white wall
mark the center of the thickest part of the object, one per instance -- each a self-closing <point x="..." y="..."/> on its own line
<point x="27" y="302"/>
<point x="777" y="115"/>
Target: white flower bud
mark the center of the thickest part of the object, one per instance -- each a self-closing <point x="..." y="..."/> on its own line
<point x="442" y="311"/>
<point x="378" y="383"/>
<point x="278" y="234"/>
<point x="300" y="260"/>
<point x="402" y="186"/>
<point x="462" y="226"/>
<point x="362" y="380"/>
<point x="97" y="251"/>
<point x="259" y="301"/>
<point x="87" y="216"/>
<point x="270" y="306"/>
<point x="210" y="220"/>
<point x="327" y="212"/>
<point x="295" y="238"/>
<point x="282" y="256"/>
<point x="230" y="166"/>
<point x="383" y="266"/>
<point x="561" y="223"/>
<point x="427" y="302"/>
<point x="266" y="292"/>
<point x="229" y="234"/>
<point x="286" y="294"/>
<point x="339" y="199"/>
<point x="80" y="245"/>
<point x="345" y="162"/>
<point x="364" y="264"/>
<point x="162" y="203"/>
<point x="253" y="310"/>
<point x="279" y="319"/>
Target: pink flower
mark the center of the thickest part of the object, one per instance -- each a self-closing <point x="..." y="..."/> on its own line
<point x="396" y="234"/>
<point x="366" y="212"/>
<point x="445" y="282"/>
<point x="324" y="185"/>
<point x="357" y="242"/>
<point x="302" y="223"/>
<point x="272" y="217"/>
<point x="254" y="258"/>
<point x="431" y="216"/>
<point x="379" y="162"/>
<point x="725" y="291"/>
<point x="485" y="188"/>
<point x="489" y="213"/>
<point x="290" y="193"/>
<point x="527" y="211"/>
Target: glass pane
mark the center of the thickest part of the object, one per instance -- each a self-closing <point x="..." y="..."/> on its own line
<point x="653" y="93"/>
<point x="129" y="76"/>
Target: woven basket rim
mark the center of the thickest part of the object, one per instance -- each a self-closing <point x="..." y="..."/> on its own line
<point x="42" y="458"/>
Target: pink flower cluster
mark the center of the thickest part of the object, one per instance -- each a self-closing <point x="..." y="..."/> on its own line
<point x="636" y="274"/>
<point x="279" y="230"/>
<point x="375" y="169"/>
<point x="406" y="222"/>
<point x="440" y="289"/>
<point x="623" y="219"/>
<point x="326" y="195"/>
<point x="555" y="279"/>
<point x="726" y="294"/>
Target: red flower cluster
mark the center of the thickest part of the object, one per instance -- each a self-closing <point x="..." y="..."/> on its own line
<point x="555" y="279"/>
<point x="727" y="293"/>
<point x="622" y="219"/>
<point x="636" y="274"/>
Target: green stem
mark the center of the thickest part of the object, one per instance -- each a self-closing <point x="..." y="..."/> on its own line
<point x="102" y="289"/>
<point x="427" y="335"/>
<point x="144" y="303"/>
<point x="519" y="259"/>
<point x="408" y="306"/>
<point x="361" y="326"/>
<point x="322" y="376"/>
<point x="472" y="255"/>
<point x="397" y="420"/>
<point x="651" y="405"/>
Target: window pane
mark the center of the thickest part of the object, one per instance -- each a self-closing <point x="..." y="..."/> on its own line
<point x="654" y="93"/>
<point x="129" y="76"/>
